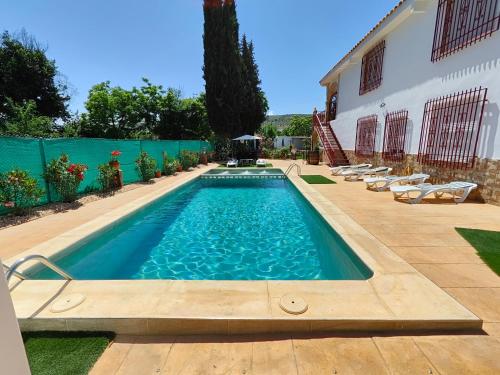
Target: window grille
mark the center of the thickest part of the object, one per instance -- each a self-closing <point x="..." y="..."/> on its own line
<point x="365" y="136"/>
<point x="460" y="23"/>
<point x="395" y="135"/>
<point x="450" y="129"/>
<point x="371" y="69"/>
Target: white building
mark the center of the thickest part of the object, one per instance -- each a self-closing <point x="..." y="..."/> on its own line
<point x="421" y="91"/>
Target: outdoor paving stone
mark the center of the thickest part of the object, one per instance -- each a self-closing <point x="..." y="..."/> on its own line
<point x="484" y="302"/>
<point x="460" y="275"/>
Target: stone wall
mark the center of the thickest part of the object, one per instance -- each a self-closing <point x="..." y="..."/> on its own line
<point x="486" y="173"/>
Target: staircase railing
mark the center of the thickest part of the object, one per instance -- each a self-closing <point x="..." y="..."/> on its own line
<point x="318" y="119"/>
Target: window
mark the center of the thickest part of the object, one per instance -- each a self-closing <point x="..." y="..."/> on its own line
<point x="460" y="23"/>
<point x="395" y="135"/>
<point x="365" y="136"/>
<point x="371" y="69"/>
<point x="450" y="129"/>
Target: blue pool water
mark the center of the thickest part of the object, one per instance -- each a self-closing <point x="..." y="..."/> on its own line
<point x="218" y="230"/>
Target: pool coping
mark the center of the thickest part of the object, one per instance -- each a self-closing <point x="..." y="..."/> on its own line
<point x="396" y="297"/>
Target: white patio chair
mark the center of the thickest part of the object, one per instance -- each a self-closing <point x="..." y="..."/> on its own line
<point x="342" y="168"/>
<point x="357" y="174"/>
<point x="232" y="163"/>
<point x="261" y="162"/>
<point x="459" y="190"/>
<point x="384" y="182"/>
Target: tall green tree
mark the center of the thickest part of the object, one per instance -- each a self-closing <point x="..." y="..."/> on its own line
<point x="27" y="74"/>
<point x="254" y="104"/>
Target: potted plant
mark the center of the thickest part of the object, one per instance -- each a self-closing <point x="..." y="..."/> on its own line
<point x="146" y="166"/>
<point x="204" y="158"/>
<point x="157" y="173"/>
<point x="178" y="166"/>
<point x="65" y="177"/>
<point x="114" y="162"/>
<point x="313" y="156"/>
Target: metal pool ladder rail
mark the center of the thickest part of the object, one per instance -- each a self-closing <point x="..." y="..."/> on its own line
<point x="290" y="168"/>
<point x="12" y="270"/>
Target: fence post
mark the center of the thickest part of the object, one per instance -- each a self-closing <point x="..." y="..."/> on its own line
<point x="44" y="167"/>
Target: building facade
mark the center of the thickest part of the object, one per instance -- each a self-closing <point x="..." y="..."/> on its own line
<point x="421" y="92"/>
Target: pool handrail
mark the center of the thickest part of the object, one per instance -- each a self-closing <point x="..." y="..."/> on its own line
<point x="40" y="258"/>
<point x="290" y="168"/>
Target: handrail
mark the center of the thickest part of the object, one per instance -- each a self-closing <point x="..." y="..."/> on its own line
<point x="290" y="167"/>
<point x="42" y="260"/>
<point x="321" y="133"/>
<point x="18" y="274"/>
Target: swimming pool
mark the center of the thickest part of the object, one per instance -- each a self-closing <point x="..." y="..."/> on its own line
<point x="227" y="229"/>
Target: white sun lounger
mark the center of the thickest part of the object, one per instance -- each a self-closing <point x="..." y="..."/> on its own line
<point x="261" y="162"/>
<point x="342" y="168"/>
<point x="232" y="163"/>
<point x="356" y="174"/>
<point x="382" y="183"/>
<point x="458" y="189"/>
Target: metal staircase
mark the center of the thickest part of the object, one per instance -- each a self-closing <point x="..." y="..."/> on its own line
<point x="335" y="153"/>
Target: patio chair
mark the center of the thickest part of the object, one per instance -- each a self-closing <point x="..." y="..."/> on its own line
<point x="459" y="190"/>
<point x="342" y="168"/>
<point x="261" y="162"/>
<point x="384" y="182"/>
<point x="357" y="174"/>
<point x="232" y="163"/>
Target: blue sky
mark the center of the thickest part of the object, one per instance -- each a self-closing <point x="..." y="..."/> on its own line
<point x="92" y="41"/>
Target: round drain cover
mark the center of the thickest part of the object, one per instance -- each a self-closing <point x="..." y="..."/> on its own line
<point x="66" y="303"/>
<point x="293" y="304"/>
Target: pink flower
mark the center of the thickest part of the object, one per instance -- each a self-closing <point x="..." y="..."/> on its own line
<point x="115" y="153"/>
<point x="9" y="204"/>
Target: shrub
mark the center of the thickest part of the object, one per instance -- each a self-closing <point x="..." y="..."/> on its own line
<point x="107" y="177"/>
<point x="64" y="177"/>
<point x="170" y="167"/>
<point x="188" y="159"/>
<point x="18" y="191"/>
<point x="146" y="166"/>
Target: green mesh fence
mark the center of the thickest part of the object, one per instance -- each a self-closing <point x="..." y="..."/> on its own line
<point x="31" y="155"/>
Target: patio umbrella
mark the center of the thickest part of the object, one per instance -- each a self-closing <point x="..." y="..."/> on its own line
<point x="248" y="137"/>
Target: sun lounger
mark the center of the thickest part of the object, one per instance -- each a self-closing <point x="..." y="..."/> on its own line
<point x="232" y="163"/>
<point x="357" y="174"/>
<point x="458" y="190"/>
<point x="382" y="183"/>
<point x="261" y="162"/>
<point x="342" y="168"/>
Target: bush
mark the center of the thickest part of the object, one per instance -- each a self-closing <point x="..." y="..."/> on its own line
<point x="170" y="167"/>
<point x="146" y="166"/>
<point x="65" y="178"/>
<point x="18" y="191"/>
<point x="188" y="159"/>
<point x="107" y="177"/>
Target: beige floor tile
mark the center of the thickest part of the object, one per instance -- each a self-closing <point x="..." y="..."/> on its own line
<point x="273" y="356"/>
<point x="206" y="355"/>
<point x="113" y="356"/>
<point x="484" y="302"/>
<point x="402" y="356"/>
<point x="462" y="354"/>
<point x="33" y="296"/>
<point x="338" y="356"/>
<point x="460" y="275"/>
<point x="438" y="254"/>
<point x="147" y="356"/>
<point x="492" y="329"/>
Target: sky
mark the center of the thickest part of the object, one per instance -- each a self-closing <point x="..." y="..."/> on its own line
<point x="296" y="42"/>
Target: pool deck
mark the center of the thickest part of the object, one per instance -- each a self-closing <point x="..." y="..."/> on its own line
<point x="423" y="265"/>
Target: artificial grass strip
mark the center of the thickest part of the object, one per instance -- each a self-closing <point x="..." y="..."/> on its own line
<point x="317" y="179"/>
<point x="62" y="353"/>
<point x="487" y="244"/>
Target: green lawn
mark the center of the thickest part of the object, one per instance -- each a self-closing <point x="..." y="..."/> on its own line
<point x="487" y="244"/>
<point x="317" y="179"/>
<point x="59" y="353"/>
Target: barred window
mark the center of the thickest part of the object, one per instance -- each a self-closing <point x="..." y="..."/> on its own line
<point x="371" y="69"/>
<point x="365" y="136"/>
<point x="450" y="129"/>
<point x="460" y="23"/>
<point x="395" y="135"/>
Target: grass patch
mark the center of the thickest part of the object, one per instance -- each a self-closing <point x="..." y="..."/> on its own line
<point x="54" y="353"/>
<point x="487" y="244"/>
<point x="317" y="179"/>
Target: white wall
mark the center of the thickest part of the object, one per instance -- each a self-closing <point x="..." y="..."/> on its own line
<point x="13" y="358"/>
<point x="410" y="79"/>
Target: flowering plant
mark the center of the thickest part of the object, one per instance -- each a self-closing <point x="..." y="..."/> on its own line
<point x="115" y="154"/>
<point x="146" y="166"/>
<point x="65" y="177"/>
<point x="18" y="191"/>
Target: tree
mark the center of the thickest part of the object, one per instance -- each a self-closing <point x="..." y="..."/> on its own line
<point x="254" y="103"/>
<point x="26" y="74"/>
<point x="24" y="120"/>
<point x="299" y="126"/>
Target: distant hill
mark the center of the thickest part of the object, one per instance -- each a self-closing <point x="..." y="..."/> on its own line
<point x="282" y="121"/>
